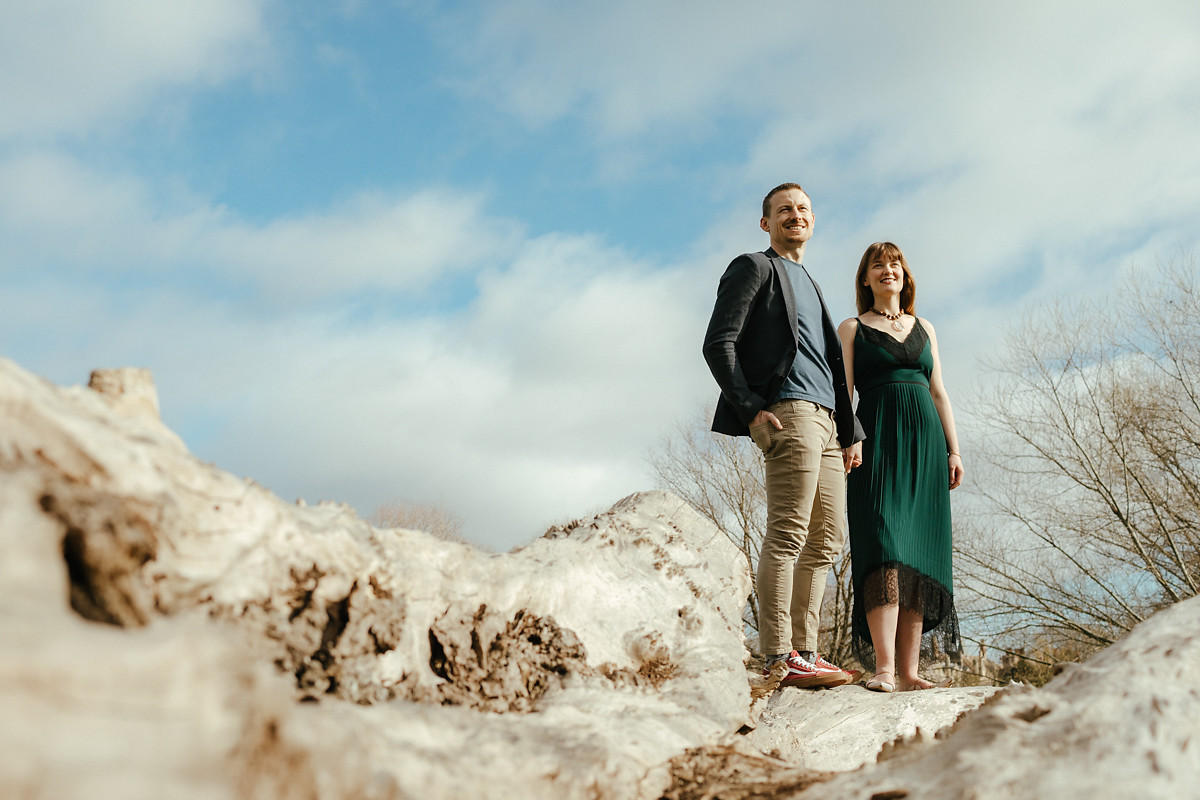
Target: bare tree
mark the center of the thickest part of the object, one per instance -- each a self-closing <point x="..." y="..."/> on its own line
<point x="1091" y="480"/>
<point x="434" y="519"/>
<point x="722" y="478"/>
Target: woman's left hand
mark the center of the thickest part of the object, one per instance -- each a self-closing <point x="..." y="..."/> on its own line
<point x="956" y="470"/>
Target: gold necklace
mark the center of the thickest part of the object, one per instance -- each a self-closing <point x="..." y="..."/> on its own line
<point x="894" y="318"/>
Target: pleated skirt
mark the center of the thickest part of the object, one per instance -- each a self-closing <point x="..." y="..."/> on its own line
<point x="898" y="508"/>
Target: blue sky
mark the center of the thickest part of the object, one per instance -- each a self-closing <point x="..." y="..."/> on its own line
<point x="464" y="253"/>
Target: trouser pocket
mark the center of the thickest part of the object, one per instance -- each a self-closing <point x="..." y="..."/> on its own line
<point x="761" y="434"/>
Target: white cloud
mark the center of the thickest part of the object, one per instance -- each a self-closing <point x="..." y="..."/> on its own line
<point x="59" y="212"/>
<point x="630" y="65"/>
<point x="534" y="403"/>
<point x="375" y="242"/>
<point x="1039" y="140"/>
<point x="66" y="65"/>
<point x="1011" y="150"/>
<point x="627" y="65"/>
<point x="992" y="139"/>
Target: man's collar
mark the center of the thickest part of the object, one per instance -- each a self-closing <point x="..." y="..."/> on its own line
<point x="770" y="253"/>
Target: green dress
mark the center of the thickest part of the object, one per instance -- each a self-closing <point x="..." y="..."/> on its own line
<point x="898" y="500"/>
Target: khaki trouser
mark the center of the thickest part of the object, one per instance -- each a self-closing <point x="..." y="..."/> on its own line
<point x="806" y="498"/>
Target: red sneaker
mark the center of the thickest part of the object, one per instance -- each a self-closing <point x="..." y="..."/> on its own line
<point x="845" y="675"/>
<point x="806" y="675"/>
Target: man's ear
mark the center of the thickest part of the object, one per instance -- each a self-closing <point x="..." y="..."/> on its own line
<point x="762" y="223"/>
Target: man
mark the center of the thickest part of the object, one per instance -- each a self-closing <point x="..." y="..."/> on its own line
<point x="774" y="351"/>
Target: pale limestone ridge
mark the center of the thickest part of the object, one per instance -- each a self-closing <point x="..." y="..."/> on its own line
<point x="171" y="630"/>
<point x="840" y="729"/>
<point x="227" y="608"/>
<point x="1124" y="724"/>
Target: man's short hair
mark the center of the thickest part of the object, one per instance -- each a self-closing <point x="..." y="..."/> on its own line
<point x="780" y="188"/>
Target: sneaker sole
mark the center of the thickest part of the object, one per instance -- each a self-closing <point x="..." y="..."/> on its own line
<point x="840" y="679"/>
<point x="816" y="681"/>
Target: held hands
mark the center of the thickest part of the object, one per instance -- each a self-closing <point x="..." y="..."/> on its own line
<point x="956" y="470"/>
<point x="852" y="456"/>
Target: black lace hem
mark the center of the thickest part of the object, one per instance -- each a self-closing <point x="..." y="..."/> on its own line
<point x="893" y="583"/>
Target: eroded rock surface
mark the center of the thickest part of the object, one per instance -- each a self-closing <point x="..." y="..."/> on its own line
<point x="137" y="578"/>
<point x="1126" y="723"/>
<point x="841" y="729"/>
<point x="170" y="630"/>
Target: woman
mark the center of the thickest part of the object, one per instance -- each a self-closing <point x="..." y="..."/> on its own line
<point x="898" y="500"/>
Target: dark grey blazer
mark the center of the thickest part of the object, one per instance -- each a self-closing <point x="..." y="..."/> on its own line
<point x="751" y="343"/>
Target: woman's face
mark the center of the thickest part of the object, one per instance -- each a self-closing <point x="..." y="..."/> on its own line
<point x="885" y="276"/>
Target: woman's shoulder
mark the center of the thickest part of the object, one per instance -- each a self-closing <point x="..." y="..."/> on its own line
<point x="848" y="331"/>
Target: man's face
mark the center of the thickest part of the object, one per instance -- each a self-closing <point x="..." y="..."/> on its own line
<point x="791" y="221"/>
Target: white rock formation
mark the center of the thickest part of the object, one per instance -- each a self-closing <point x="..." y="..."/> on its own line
<point x="841" y="729"/>
<point x="169" y="630"/>
<point x="614" y="645"/>
<point x="1126" y="723"/>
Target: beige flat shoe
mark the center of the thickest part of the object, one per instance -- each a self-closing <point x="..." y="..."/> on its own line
<point x="878" y="684"/>
<point x="922" y="684"/>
